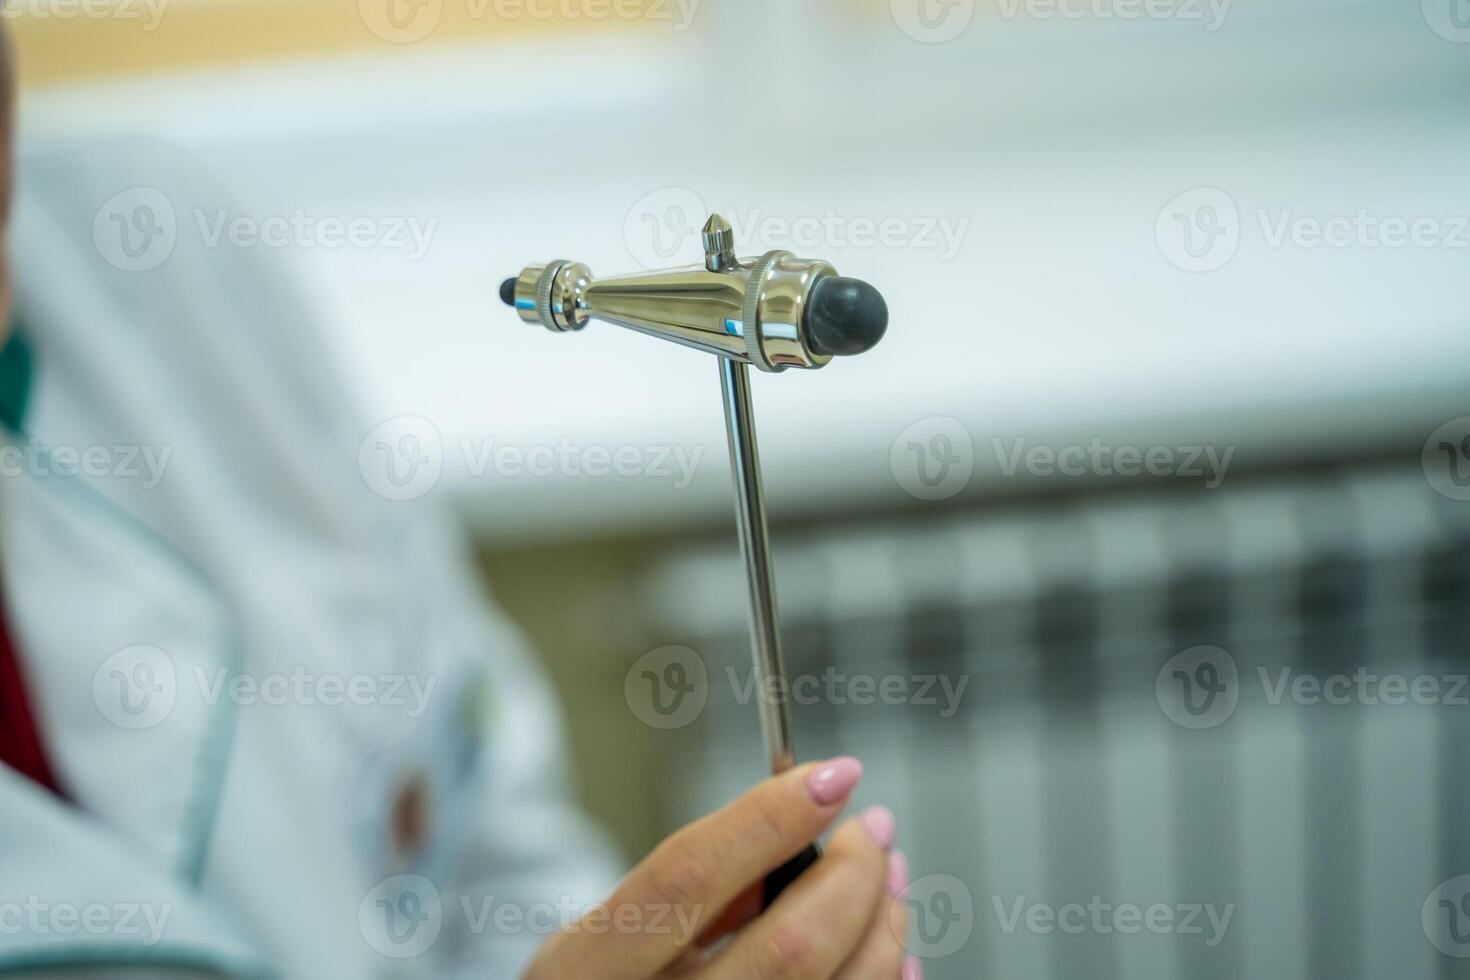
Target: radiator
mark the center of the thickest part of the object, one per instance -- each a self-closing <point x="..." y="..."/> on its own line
<point x="1065" y="813"/>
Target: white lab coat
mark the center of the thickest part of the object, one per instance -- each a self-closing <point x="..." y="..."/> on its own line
<point x="192" y="647"/>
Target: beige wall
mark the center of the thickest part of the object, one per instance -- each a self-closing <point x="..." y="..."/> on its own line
<point x="194" y="34"/>
<point x="579" y="606"/>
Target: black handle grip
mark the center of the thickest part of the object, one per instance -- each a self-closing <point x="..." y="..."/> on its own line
<point x="783" y="876"/>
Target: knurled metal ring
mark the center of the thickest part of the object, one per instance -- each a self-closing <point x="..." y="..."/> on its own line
<point x="544" y="287"/>
<point x="750" y="329"/>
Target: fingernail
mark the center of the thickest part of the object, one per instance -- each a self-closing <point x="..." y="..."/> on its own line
<point x="879" y="823"/>
<point x="898" y="873"/>
<point x="833" y="780"/>
<point x="912" y="968"/>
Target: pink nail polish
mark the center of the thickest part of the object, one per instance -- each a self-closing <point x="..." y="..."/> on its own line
<point x="830" y="782"/>
<point x="879" y="823"/>
<point x="898" y="873"/>
<point x="912" y="968"/>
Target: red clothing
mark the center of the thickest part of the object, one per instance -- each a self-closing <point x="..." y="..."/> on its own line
<point x="21" y="747"/>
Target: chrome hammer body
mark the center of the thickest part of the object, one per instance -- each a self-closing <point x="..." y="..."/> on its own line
<point x="773" y="312"/>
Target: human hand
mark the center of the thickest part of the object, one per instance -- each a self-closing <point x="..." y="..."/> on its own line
<point x="841" y="920"/>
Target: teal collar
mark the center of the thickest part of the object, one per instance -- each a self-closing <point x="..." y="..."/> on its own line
<point x="15" y="380"/>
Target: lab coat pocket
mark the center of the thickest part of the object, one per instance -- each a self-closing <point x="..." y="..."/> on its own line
<point x="415" y="797"/>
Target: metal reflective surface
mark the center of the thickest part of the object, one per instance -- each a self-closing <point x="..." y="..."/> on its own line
<point x="750" y="517"/>
<point x="749" y="310"/>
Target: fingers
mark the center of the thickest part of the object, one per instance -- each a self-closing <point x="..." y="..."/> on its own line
<point x="694" y="875"/>
<point x="824" y="917"/>
<point x="747" y="906"/>
<point x="881" y="955"/>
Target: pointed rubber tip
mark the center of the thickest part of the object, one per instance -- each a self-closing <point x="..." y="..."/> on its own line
<point x="844" y="316"/>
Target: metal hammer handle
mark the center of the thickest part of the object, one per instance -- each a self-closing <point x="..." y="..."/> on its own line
<point x="765" y="627"/>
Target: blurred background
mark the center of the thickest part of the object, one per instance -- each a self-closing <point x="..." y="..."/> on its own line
<point x="1169" y="427"/>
